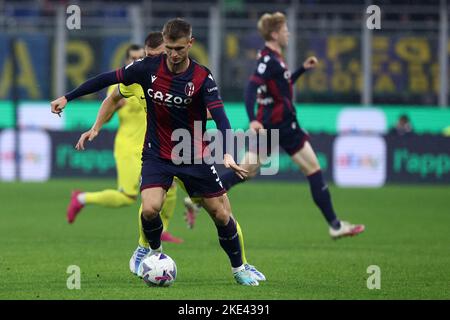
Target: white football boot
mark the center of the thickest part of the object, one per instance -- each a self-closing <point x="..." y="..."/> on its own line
<point x="138" y="255"/>
<point x="346" y="230"/>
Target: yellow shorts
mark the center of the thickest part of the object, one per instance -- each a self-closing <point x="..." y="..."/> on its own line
<point x="180" y="183"/>
<point x="128" y="173"/>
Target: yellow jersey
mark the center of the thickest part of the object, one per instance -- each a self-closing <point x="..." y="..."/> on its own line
<point x="132" y="121"/>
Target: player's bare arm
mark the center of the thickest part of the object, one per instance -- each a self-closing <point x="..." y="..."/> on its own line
<point x="119" y="104"/>
<point x="105" y="113"/>
<point x="90" y="86"/>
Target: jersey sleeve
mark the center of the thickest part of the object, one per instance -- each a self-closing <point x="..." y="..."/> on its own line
<point x="214" y="103"/>
<point x="93" y="85"/>
<point x="263" y="71"/>
<point x="297" y="74"/>
<point x="210" y="93"/>
<point x="131" y="73"/>
<point x="250" y="99"/>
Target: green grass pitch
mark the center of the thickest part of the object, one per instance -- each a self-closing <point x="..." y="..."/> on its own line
<point x="407" y="236"/>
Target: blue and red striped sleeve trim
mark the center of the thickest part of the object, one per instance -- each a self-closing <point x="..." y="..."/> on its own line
<point x="214" y="104"/>
<point x="119" y="74"/>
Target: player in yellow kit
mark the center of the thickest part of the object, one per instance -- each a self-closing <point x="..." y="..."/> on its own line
<point x="127" y="152"/>
<point x="153" y="45"/>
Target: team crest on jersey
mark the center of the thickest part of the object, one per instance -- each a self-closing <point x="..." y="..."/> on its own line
<point x="189" y="89"/>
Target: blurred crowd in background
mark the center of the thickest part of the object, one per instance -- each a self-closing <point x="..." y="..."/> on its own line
<point x="404" y="53"/>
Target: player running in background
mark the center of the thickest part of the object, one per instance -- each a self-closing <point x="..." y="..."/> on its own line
<point x="131" y="109"/>
<point x="271" y="87"/>
<point x="178" y="92"/>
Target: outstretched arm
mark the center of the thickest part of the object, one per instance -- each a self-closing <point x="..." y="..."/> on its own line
<point x="111" y="103"/>
<point x="106" y="111"/>
<point x="94" y="84"/>
<point x="309" y="63"/>
<point x="90" y="86"/>
<point x="297" y="74"/>
<point x="127" y="75"/>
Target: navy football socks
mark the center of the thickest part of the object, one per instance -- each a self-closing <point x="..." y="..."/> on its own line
<point x="322" y="198"/>
<point x="319" y="191"/>
<point x="229" y="241"/>
<point x="153" y="230"/>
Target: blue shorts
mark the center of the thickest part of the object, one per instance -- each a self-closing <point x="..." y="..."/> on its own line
<point x="292" y="138"/>
<point x="200" y="180"/>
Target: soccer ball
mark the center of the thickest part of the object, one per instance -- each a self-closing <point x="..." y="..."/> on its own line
<point x="158" y="270"/>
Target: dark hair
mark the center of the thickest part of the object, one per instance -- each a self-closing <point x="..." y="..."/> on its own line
<point x="154" y="39"/>
<point x="177" y="28"/>
<point x="132" y="47"/>
<point x="404" y="117"/>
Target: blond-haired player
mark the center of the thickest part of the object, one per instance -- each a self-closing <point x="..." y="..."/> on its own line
<point x="271" y="87"/>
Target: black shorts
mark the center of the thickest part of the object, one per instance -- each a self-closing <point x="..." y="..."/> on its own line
<point x="200" y="180"/>
<point x="291" y="138"/>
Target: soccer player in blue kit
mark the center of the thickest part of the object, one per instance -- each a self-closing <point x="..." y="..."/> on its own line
<point x="178" y="91"/>
<point x="271" y="88"/>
